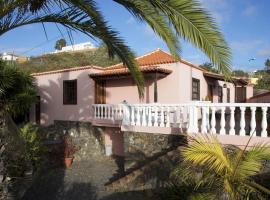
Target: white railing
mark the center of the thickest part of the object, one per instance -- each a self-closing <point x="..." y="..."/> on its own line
<point x="195" y="117"/>
<point x="108" y="111"/>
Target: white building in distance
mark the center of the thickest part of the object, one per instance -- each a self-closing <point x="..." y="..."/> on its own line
<point x="9" y="56"/>
<point x="76" y="47"/>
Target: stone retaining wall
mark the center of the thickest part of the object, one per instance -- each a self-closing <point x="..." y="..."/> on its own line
<point x="89" y="139"/>
<point x="141" y="146"/>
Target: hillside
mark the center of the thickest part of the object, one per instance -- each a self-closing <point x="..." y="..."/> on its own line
<point x="50" y="62"/>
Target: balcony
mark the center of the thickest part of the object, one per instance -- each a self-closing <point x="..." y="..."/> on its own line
<point x="231" y="122"/>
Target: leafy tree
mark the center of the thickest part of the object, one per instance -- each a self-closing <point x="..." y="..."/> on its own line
<point x="169" y="20"/>
<point x="267" y="64"/>
<point x="211" y="171"/>
<point x="60" y="44"/>
<point x="17" y="90"/>
<point x="209" y="67"/>
<point x="264" y="81"/>
<point x="240" y="73"/>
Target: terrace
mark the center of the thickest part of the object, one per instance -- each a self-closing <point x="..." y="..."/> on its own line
<point x="232" y="123"/>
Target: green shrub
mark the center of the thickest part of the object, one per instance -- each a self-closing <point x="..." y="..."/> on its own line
<point x="35" y="149"/>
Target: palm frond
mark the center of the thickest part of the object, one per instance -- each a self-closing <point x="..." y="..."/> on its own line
<point x="144" y="11"/>
<point x="207" y="152"/>
<point x="252" y="160"/>
<point x="193" y="23"/>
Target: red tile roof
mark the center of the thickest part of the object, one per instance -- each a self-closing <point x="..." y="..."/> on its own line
<point x="125" y="71"/>
<point x="155" y="58"/>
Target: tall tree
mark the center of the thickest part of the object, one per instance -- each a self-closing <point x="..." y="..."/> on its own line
<point x="267" y="64"/>
<point x="240" y="73"/>
<point x="169" y="19"/>
<point x="59" y="44"/>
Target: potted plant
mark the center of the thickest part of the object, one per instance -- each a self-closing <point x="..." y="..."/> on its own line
<point x="69" y="151"/>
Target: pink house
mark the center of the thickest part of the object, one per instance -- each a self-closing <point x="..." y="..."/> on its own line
<point x="179" y="96"/>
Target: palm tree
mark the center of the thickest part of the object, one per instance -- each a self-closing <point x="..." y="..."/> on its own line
<point x="17" y="90"/>
<point x="60" y="44"/>
<point x="212" y="171"/>
<point x="170" y="20"/>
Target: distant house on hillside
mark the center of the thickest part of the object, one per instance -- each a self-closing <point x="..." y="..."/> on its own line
<point x="9" y="56"/>
<point x="76" y="47"/>
<point x="13" y="57"/>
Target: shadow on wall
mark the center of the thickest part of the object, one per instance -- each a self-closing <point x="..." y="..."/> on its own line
<point x="141" y="155"/>
<point x="124" y="89"/>
<point x="51" y="93"/>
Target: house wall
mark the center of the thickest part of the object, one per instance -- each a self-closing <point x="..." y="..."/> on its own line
<point x="250" y="91"/>
<point x="224" y="90"/>
<point x="261" y="98"/>
<point x="50" y="90"/>
<point x="174" y="88"/>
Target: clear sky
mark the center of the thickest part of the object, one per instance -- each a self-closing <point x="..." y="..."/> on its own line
<point x="245" y="24"/>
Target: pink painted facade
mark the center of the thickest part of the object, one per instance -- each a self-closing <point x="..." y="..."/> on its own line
<point x="50" y="90"/>
<point x="175" y="87"/>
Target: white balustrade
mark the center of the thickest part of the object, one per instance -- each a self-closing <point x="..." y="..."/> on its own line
<point x="201" y="117"/>
<point x="204" y="125"/>
<point x="222" y="122"/>
<point x="175" y="117"/>
<point x="213" y="120"/>
<point x="162" y="124"/>
<point x="168" y="110"/>
<point x="242" y="121"/>
<point x="264" y="122"/>
<point x="253" y="121"/>
<point x="156" y="116"/>
<point x="232" y="122"/>
<point x="149" y="119"/>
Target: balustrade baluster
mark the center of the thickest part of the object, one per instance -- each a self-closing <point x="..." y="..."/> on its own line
<point x="232" y="121"/>
<point x="213" y="121"/>
<point x="99" y="111"/>
<point x="253" y="121"/>
<point x="156" y="116"/>
<point x="242" y="121"/>
<point x="222" y="122"/>
<point x="181" y="117"/>
<point x="149" y="119"/>
<point x="168" y="117"/>
<point x="264" y="122"/>
<point x="144" y="116"/>
<point x="195" y="121"/>
<point x="175" y="117"/>
<point x="138" y="116"/>
<point x="132" y="116"/>
<point x="162" y="117"/>
<point x="203" y="125"/>
<point x="208" y="119"/>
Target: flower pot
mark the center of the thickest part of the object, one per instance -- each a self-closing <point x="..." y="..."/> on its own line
<point x="68" y="162"/>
